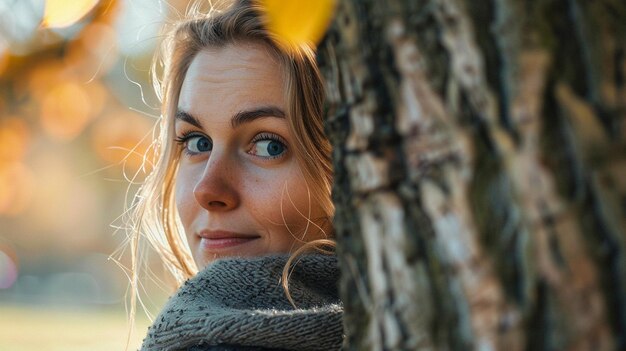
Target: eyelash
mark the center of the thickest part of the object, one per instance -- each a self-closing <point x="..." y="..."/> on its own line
<point x="184" y="137"/>
<point x="273" y="137"/>
<point x="268" y="136"/>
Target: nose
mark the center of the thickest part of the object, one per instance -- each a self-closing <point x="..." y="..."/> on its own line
<point x="216" y="190"/>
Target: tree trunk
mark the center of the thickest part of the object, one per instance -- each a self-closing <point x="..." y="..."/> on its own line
<point x="480" y="172"/>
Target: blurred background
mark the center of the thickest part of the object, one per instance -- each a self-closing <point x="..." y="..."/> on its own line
<point x="77" y="112"/>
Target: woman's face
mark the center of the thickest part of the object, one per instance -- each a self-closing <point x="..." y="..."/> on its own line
<point x="239" y="188"/>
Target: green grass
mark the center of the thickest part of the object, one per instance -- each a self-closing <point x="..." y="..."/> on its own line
<point x="30" y="328"/>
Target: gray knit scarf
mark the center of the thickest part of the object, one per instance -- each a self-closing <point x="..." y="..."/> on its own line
<point x="240" y="304"/>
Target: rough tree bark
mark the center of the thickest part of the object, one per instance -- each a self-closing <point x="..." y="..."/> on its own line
<point x="480" y="172"/>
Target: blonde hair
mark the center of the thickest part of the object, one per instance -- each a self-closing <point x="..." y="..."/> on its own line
<point x="154" y="215"/>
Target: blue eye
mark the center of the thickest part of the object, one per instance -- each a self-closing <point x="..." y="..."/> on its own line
<point x="196" y="144"/>
<point x="268" y="147"/>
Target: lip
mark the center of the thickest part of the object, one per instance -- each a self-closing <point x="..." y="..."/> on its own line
<point x="221" y="239"/>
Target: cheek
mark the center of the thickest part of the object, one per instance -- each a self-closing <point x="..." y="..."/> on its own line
<point x="284" y="201"/>
<point x="184" y="197"/>
<point x="262" y="200"/>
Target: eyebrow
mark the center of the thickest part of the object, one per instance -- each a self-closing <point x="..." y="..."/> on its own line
<point x="241" y="117"/>
<point x="186" y="117"/>
<point x="247" y="116"/>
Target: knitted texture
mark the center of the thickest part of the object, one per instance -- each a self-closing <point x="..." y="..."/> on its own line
<point x="239" y="303"/>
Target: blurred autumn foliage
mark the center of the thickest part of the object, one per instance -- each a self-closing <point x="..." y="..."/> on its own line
<point x="77" y="114"/>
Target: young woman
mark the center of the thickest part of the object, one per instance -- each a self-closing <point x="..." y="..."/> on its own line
<point x="240" y="188"/>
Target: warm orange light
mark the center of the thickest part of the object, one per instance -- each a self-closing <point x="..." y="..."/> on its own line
<point x="66" y="110"/>
<point x="64" y="13"/>
<point x="4" y="61"/>
<point x="16" y="188"/>
<point x="123" y="138"/>
<point x="14" y="139"/>
<point x="43" y="77"/>
<point x="98" y="96"/>
<point x="94" y="52"/>
<point x="299" y="22"/>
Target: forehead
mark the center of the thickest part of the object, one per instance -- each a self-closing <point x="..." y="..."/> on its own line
<point x="239" y="59"/>
<point x="238" y="73"/>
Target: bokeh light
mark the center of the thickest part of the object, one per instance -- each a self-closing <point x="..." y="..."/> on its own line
<point x="63" y="13"/>
<point x="16" y="179"/>
<point x="66" y="110"/>
<point x="94" y="52"/>
<point x="16" y="188"/>
<point x="14" y="139"/>
<point x="43" y="77"/>
<point x="123" y="138"/>
<point x="67" y="209"/>
<point x="8" y="271"/>
<point x="75" y="107"/>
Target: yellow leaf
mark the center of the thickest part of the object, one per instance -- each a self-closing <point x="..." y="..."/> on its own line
<point x="64" y="13"/>
<point x="299" y="22"/>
